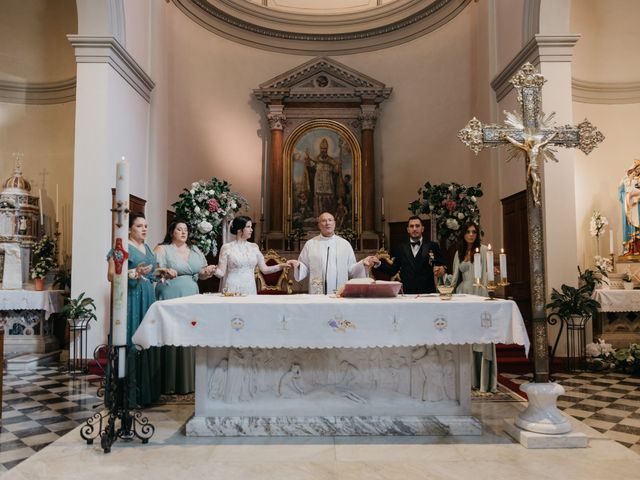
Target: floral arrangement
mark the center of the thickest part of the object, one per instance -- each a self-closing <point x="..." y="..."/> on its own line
<point x="298" y="234"/>
<point x="628" y="359"/>
<point x="205" y="206"/>
<point x="604" y="265"/>
<point x="450" y="204"/>
<point x="598" y="224"/>
<point x="44" y="257"/>
<point x="600" y="356"/>
<point x="627" y="277"/>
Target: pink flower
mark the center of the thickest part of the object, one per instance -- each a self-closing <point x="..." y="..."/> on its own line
<point x="451" y="205"/>
<point x="213" y="204"/>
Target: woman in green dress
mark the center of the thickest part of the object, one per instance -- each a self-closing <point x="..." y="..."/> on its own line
<point x="181" y="265"/>
<point x="485" y="370"/>
<point x="143" y="367"/>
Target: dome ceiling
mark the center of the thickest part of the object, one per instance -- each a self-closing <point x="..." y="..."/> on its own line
<point x="321" y="27"/>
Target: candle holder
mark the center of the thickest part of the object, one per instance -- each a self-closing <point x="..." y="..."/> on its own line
<point x="503" y="282"/>
<point x="613" y="261"/>
<point x="383" y="239"/>
<point x="477" y="283"/>
<point x="491" y="290"/>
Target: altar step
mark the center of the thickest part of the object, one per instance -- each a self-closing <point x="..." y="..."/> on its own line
<point x="31" y="361"/>
<point x="511" y="359"/>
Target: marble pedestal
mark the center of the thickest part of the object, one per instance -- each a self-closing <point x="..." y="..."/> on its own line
<point x="363" y="391"/>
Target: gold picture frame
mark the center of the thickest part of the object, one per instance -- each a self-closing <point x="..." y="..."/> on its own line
<point x="322" y="172"/>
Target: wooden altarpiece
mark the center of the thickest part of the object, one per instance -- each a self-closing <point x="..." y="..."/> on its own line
<point x="320" y="152"/>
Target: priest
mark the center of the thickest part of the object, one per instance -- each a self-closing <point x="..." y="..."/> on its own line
<point x="328" y="260"/>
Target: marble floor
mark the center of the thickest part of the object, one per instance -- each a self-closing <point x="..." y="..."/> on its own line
<point x="170" y="454"/>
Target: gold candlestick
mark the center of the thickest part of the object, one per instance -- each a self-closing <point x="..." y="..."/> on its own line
<point x="491" y="290"/>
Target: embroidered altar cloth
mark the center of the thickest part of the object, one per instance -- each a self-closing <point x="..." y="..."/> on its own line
<point x="318" y="321"/>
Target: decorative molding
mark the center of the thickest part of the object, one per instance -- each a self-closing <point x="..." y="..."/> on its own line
<point x="263" y="28"/>
<point x="541" y="48"/>
<point x="107" y="49"/>
<point x="531" y="20"/>
<point x="322" y="79"/>
<point x="605" y="92"/>
<point x="48" y="93"/>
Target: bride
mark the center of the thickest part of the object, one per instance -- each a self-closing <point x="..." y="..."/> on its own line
<point x="238" y="260"/>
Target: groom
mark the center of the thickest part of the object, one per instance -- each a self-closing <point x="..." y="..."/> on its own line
<point x="418" y="260"/>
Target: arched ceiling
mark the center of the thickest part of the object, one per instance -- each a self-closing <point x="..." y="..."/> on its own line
<point x="321" y="27"/>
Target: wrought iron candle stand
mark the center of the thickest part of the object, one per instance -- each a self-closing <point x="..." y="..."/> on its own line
<point x="119" y="420"/>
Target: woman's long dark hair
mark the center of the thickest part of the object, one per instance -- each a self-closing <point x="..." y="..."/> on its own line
<point x="462" y="244"/>
<point x="172" y="226"/>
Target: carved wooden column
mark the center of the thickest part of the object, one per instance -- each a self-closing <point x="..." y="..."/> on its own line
<point x="277" y="120"/>
<point x="367" y="119"/>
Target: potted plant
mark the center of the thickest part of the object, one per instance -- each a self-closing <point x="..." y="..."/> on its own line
<point x="627" y="281"/>
<point x="78" y="309"/>
<point x="571" y="302"/>
<point x="44" y="252"/>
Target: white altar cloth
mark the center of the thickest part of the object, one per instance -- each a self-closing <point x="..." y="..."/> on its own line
<point x="618" y="300"/>
<point x="317" y="321"/>
<point x="49" y="301"/>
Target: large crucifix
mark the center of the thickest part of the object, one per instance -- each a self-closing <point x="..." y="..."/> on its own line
<point x="530" y="133"/>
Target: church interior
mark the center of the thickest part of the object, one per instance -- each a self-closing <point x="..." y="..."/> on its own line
<point x="264" y="95"/>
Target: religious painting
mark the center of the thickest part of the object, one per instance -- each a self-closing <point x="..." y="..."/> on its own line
<point x="322" y="174"/>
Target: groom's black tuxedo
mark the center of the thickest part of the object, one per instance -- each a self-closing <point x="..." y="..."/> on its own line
<point x="416" y="272"/>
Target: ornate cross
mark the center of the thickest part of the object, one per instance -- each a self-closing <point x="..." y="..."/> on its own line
<point x="530" y="133"/>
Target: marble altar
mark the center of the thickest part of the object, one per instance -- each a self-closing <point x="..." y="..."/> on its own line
<point x="320" y="365"/>
<point x="24" y="317"/>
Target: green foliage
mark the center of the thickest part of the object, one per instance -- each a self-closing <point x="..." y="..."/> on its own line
<point x="573" y="301"/>
<point x="80" y="307"/>
<point x="204" y="206"/>
<point x="452" y="204"/>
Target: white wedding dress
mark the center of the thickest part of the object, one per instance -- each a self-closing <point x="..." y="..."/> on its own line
<point x="237" y="264"/>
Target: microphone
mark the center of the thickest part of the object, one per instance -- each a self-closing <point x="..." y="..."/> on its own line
<point x="326" y="270"/>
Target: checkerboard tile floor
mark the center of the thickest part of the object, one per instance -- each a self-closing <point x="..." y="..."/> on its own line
<point x="38" y="407"/>
<point x="606" y="401"/>
<point x="41" y="405"/>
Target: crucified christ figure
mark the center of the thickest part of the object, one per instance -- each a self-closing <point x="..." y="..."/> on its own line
<point x="532" y="145"/>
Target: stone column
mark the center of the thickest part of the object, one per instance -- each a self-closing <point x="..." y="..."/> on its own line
<point x="277" y="209"/>
<point x="367" y="117"/>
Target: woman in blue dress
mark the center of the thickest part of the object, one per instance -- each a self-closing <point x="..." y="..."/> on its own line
<point x="485" y="370"/>
<point x="143" y="367"/>
<point x="181" y="264"/>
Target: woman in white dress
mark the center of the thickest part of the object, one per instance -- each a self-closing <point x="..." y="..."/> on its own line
<point x="238" y="260"/>
<point x="485" y="371"/>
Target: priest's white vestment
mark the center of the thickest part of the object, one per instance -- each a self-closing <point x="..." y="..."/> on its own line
<point x="329" y="262"/>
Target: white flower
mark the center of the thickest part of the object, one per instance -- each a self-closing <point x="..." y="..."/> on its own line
<point x="196" y="209"/>
<point x="603" y="264"/>
<point x="598" y="224"/>
<point x="452" y="224"/>
<point x="204" y="227"/>
<point x="473" y="198"/>
<point x="192" y="191"/>
<point x="460" y="215"/>
<point x="194" y="185"/>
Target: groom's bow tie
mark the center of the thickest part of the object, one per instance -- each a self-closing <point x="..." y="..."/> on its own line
<point x="415" y="243"/>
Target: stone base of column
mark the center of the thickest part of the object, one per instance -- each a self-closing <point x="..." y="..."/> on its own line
<point x="542" y="415"/>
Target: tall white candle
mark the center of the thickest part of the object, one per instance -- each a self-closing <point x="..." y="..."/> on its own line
<point x="611" y="241"/>
<point x="490" y="277"/>
<point x="503" y="264"/>
<point x="477" y="264"/>
<point x="41" y="208"/>
<point x="119" y="315"/>
<point x="57" y="204"/>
